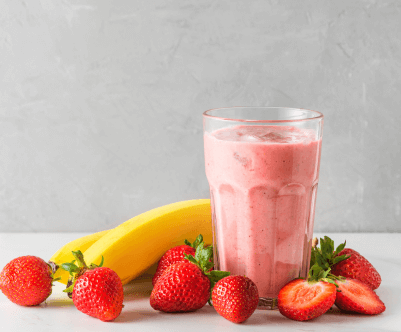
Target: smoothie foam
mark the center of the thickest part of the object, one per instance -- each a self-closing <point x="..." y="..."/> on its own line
<point x="263" y="183"/>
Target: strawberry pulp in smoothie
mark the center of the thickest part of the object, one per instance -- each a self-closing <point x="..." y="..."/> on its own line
<point x="263" y="182"/>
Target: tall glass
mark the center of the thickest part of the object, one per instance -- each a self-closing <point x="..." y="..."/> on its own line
<point x="262" y="165"/>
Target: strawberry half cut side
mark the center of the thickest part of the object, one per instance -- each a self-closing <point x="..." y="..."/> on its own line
<point x="304" y="300"/>
<point x="356" y="296"/>
<point x="307" y="299"/>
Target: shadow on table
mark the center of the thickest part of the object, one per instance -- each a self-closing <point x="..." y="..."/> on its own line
<point x="57" y="302"/>
<point x="135" y="315"/>
<point x="333" y="320"/>
<point x="139" y="288"/>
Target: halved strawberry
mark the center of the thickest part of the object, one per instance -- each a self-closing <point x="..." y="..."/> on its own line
<point x="304" y="300"/>
<point x="356" y="296"/>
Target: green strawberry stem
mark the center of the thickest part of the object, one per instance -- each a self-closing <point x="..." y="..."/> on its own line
<point x="196" y="243"/>
<point x="76" y="270"/>
<point x="323" y="258"/>
<point x="204" y="260"/>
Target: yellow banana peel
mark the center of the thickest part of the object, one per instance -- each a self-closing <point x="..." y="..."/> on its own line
<point x="64" y="255"/>
<point x="135" y="245"/>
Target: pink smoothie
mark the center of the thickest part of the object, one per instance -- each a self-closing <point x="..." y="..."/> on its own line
<point x="263" y="183"/>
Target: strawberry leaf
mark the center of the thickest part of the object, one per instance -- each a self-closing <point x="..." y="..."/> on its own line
<point x="214" y="276"/>
<point x="323" y="258"/>
<point x="196" y="243"/>
<point x="314" y="254"/>
<point x="313" y="274"/>
<point x="93" y="265"/>
<point x="338" y="259"/>
<point x="327" y="247"/>
<point x="69" y="289"/>
<point x="322" y="262"/>
<point x="70" y="267"/>
<point x="79" y="258"/>
<point x="209" y="265"/>
<point x="203" y="255"/>
<point x="340" y="248"/>
<point x="190" y="258"/>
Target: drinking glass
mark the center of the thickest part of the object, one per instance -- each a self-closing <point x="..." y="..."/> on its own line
<point x="262" y="165"/>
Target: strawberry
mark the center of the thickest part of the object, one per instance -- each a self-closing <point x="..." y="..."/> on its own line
<point x="356" y="296"/>
<point x="235" y="298"/>
<point x="174" y="255"/>
<point x="357" y="267"/>
<point x="307" y="299"/>
<point x="182" y="287"/>
<point x="344" y="262"/>
<point x="304" y="300"/>
<point x="27" y="280"/>
<point x="185" y="286"/>
<point x="95" y="290"/>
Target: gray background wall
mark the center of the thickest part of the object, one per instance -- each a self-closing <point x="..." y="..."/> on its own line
<point x="101" y="103"/>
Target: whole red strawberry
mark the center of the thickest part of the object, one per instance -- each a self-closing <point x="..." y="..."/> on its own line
<point x="356" y="296"/>
<point x="173" y="255"/>
<point x="182" y="287"/>
<point x="235" y="298"/>
<point x="27" y="280"/>
<point x="357" y="267"/>
<point x="185" y="286"/>
<point x="96" y="291"/>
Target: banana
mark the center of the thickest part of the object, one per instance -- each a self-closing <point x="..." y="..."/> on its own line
<point x="64" y="255"/>
<point x="134" y="246"/>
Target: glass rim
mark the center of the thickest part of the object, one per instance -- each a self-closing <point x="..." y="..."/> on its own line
<point x="214" y="117"/>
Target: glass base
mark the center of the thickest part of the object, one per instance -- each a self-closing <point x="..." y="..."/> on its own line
<point x="267" y="303"/>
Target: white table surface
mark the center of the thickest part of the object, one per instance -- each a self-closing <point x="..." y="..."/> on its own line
<point x="58" y="313"/>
